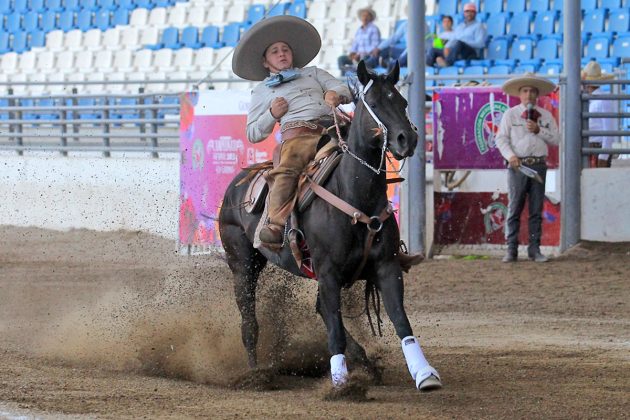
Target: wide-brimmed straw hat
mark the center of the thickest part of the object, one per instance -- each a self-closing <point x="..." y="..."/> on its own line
<point x="514" y="85"/>
<point x="366" y="9"/>
<point x="297" y="33"/>
<point x="593" y="71"/>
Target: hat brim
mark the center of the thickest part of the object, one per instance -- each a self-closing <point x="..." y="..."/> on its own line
<point x="301" y="36"/>
<point x="603" y="76"/>
<point x="514" y="85"/>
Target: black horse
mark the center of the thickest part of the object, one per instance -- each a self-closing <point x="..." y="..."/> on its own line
<point x="337" y="245"/>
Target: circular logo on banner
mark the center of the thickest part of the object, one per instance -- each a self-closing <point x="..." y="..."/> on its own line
<point x="487" y="124"/>
<point x="494" y="217"/>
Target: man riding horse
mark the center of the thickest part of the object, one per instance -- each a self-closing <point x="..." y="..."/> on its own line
<point x="300" y="98"/>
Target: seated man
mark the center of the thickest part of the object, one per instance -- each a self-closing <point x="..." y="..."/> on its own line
<point x="390" y="49"/>
<point x="275" y="51"/>
<point x="365" y="40"/>
<point x="467" y="41"/>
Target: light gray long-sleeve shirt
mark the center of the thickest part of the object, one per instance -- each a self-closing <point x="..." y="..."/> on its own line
<point x="513" y="138"/>
<point x="305" y="96"/>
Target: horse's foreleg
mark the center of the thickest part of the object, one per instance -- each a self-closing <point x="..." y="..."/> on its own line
<point x="246" y="263"/>
<point x="329" y="307"/>
<point x="389" y="281"/>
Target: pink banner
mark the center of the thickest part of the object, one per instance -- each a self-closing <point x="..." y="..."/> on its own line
<point x="214" y="148"/>
<point x="465" y="122"/>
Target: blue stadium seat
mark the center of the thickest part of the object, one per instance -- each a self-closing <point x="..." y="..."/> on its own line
<point x="19" y="43"/>
<point x="597" y="48"/>
<point x="447" y="7"/>
<point x="163" y="3"/>
<point x="47" y="115"/>
<point x="13" y="22"/>
<point x="515" y="6"/>
<point x="36" y="6"/>
<point x="3" y="104"/>
<point x="619" y="21"/>
<point x="255" y="13"/>
<point x="498" y="49"/>
<point x="121" y="17"/>
<point x="72" y="5"/>
<point x="474" y="70"/>
<point x="5" y="9"/>
<point x="88" y="5"/>
<point x="190" y="37"/>
<point x="88" y="114"/>
<point x="278" y="9"/>
<point x="30" y="21"/>
<point x="493" y="6"/>
<point x="298" y="9"/>
<point x="37" y="39"/>
<point x="124" y="114"/>
<point x="49" y="21"/>
<point x="231" y="34"/>
<point x="544" y="23"/>
<point x="496" y="25"/>
<point x="20" y="6"/>
<point x="588" y="4"/>
<point x="126" y="4"/>
<point x="522" y="49"/>
<point x="169" y="39"/>
<point x="610" y="4"/>
<point x="106" y="4"/>
<point x="539" y="5"/>
<point x="448" y="71"/>
<point x="66" y="20"/>
<point x="54" y="5"/>
<point x="524" y="68"/>
<point x="550" y="69"/>
<point x="27" y="102"/>
<point x="594" y="21"/>
<point x="210" y="37"/>
<point x="167" y="100"/>
<point x="4" y="42"/>
<point x="621" y="47"/>
<point x="520" y="23"/>
<point x="145" y="4"/>
<point x="433" y="22"/>
<point x="102" y="19"/>
<point x="547" y="49"/>
<point x="84" y="20"/>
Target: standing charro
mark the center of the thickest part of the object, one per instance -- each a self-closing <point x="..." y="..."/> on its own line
<point x="299" y="98"/>
<point x="524" y="133"/>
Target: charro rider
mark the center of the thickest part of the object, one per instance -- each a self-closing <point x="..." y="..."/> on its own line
<point x="275" y="51"/>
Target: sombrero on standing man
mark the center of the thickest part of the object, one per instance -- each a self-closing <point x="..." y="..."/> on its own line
<point x="593" y="71"/>
<point x="514" y="85"/>
<point x="300" y="35"/>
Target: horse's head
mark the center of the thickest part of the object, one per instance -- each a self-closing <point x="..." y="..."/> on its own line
<point x="386" y="102"/>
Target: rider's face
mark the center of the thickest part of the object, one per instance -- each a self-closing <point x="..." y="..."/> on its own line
<point x="278" y="56"/>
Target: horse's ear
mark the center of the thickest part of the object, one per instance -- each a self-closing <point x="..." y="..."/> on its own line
<point x="363" y="74"/>
<point x="394" y="75"/>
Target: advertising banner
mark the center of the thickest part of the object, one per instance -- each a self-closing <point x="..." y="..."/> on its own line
<point x="214" y="148"/>
<point x="466" y="121"/>
<point x="465" y="218"/>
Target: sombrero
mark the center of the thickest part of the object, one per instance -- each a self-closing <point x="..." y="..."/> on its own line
<point x="593" y="71"/>
<point x="300" y="35"/>
<point x="514" y="85"/>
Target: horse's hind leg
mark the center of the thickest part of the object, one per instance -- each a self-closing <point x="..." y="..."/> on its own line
<point x="389" y="280"/>
<point x="246" y="263"/>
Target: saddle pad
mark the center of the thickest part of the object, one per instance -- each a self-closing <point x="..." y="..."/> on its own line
<point x="320" y="176"/>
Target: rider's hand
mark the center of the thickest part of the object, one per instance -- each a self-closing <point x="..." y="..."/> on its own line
<point x="279" y="107"/>
<point x="514" y="162"/>
<point x="332" y="98"/>
<point x="532" y="127"/>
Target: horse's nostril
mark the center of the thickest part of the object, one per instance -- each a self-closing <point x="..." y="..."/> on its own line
<point x="402" y="140"/>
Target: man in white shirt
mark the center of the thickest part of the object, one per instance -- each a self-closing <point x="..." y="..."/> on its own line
<point x="524" y="133"/>
<point x="275" y="51"/>
<point x="593" y="71"/>
<point x="467" y="41"/>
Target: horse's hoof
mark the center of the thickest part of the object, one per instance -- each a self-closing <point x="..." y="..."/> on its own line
<point x="431" y="383"/>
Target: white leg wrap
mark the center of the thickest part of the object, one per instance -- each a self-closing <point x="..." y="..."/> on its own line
<point x="418" y="366"/>
<point x="338" y="369"/>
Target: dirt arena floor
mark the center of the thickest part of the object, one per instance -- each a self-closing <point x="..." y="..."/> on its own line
<point x="117" y="325"/>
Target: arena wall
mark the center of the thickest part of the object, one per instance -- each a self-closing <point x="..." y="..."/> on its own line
<point x="104" y="194"/>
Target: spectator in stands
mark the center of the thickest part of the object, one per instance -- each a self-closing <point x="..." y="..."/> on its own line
<point x="390" y="49"/>
<point x="593" y="71"/>
<point x="439" y="40"/>
<point x="302" y="100"/>
<point x="467" y="41"/>
<point x="524" y="133"/>
<point x="365" y="40"/>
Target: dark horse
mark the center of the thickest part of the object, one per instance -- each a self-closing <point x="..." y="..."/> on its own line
<point x="337" y="245"/>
